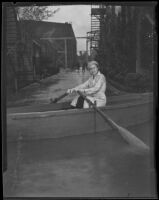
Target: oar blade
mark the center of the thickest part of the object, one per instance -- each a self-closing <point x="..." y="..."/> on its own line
<point x="132" y="139"/>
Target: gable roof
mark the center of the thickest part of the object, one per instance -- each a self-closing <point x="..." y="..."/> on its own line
<point x="41" y="29"/>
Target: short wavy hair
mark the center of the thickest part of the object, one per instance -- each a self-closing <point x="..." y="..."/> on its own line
<point x="93" y="63"/>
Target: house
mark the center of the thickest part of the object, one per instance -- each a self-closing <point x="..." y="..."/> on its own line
<point x="10" y="41"/>
<point x="57" y="41"/>
<point x="35" y="47"/>
<point x="19" y="66"/>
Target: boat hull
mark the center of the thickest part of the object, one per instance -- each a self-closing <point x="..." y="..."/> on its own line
<point x="61" y="123"/>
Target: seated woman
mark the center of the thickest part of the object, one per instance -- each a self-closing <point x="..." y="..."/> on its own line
<point x="94" y="88"/>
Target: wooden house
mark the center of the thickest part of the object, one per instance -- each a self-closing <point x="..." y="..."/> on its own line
<point x="19" y="66"/>
<point x="36" y="47"/>
<point x="57" y="40"/>
<point x="11" y="38"/>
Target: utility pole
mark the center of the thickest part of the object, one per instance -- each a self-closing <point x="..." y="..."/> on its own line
<point x="65" y="53"/>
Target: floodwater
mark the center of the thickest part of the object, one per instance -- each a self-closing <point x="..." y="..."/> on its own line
<point x="93" y="165"/>
<point x="51" y="87"/>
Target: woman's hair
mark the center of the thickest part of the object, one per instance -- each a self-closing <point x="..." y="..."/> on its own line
<point x="93" y="63"/>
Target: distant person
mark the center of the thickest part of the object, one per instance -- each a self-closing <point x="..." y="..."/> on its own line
<point x="84" y="67"/>
<point x="80" y="69"/>
<point x="94" y="88"/>
<point x="78" y="66"/>
<point x="36" y="63"/>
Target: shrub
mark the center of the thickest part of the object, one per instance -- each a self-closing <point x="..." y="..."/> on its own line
<point x="132" y="79"/>
<point x="138" y="81"/>
<point x="119" y="77"/>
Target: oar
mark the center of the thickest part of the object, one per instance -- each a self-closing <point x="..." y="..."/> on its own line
<point x="58" y="98"/>
<point x="127" y="135"/>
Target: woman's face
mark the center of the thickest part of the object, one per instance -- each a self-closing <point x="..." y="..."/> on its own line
<point x="93" y="69"/>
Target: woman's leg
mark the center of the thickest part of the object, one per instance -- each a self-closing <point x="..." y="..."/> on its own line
<point x="99" y="103"/>
<point x="80" y="102"/>
<point x="74" y="101"/>
<point x="77" y="102"/>
<point x="86" y="104"/>
<point x="72" y="107"/>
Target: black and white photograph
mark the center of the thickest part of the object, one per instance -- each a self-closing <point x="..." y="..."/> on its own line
<point x="79" y="82"/>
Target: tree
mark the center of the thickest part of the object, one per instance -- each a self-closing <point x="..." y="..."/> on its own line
<point x="142" y="14"/>
<point x="37" y="13"/>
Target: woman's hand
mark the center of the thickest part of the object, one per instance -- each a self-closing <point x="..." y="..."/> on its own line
<point x="80" y="90"/>
<point x="70" y="91"/>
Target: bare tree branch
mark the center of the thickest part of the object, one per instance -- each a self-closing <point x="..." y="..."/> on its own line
<point x="37" y="13"/>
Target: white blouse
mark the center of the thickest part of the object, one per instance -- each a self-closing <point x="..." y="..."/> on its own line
<point x="94" y="88"/>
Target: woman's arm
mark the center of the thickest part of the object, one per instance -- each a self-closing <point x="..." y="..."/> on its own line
<point x="97" y="86"/>
<point x="83" y="85"/>
<point x="79" y="87"/>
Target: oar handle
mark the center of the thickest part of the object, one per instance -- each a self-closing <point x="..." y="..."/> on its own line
<point x="106" y="118"/>
<point x="58" y="98"/>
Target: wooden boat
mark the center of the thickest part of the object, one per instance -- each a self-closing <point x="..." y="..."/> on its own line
<point x="58" y="120"/>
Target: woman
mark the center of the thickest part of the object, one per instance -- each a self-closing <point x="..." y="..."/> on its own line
<point x="94" y="88"/>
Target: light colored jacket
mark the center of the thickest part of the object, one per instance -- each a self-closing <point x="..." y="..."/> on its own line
<point x="94" y="89"/>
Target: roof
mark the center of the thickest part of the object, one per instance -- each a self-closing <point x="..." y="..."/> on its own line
<point x="43" y="29"/>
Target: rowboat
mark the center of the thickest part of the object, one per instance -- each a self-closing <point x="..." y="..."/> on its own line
<point x="58" y="120"/>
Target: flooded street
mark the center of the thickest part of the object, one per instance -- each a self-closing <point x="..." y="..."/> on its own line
<point x="60" y="140"/>
<point x="90" y="165"/>
<point x="100" y="165"/>
<point x="51" y="87"/>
